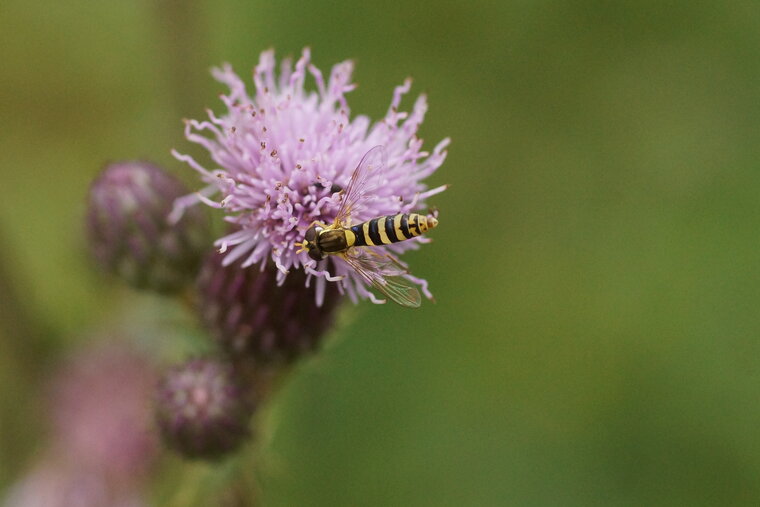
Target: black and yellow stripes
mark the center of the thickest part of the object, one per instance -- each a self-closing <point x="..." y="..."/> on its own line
<point x="391" y="229"/>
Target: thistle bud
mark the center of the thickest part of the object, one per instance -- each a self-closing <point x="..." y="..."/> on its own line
<point x="129" y="233"/>
<point x="250" y="315"/>
<point x="202" y="409"/>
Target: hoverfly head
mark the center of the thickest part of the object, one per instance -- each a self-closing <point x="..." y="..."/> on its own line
<point x="310" y="243"/>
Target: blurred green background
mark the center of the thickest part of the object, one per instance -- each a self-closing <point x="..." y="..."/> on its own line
<point x="596" y="335"/>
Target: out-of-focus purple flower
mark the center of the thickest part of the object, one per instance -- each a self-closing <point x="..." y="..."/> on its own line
<point x="281" y="154"/>
<point x="203" y="409"/>
<point x="129" y="232"/>
<point x="53" y="482"/>
<point x="103" y="443"/>
<point x="250" y="315"/>
<point x="101" y="412"/>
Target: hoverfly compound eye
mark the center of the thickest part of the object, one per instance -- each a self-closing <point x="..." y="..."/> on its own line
<point x="311" y="234"/>
<point x="316" y="254"/>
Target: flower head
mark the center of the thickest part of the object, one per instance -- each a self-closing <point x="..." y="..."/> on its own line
<point x="100" y="414"/>
<point x="202" y="408"/>
<point x="128" y="231"/>
<point x="55" y="482"/>
<point x="282" y="153"/>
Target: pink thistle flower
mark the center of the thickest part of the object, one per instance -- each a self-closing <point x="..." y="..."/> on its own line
<point x="101" y="414"/>
<point x="54" y="482"/>
<point x="103" y="445"/>
<point x="282" y="155"/>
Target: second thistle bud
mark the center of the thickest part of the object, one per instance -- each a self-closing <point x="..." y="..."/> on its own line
<point x="251" y="315"/>
<point x="129" y="231"/>
<point x="202" y="409"/>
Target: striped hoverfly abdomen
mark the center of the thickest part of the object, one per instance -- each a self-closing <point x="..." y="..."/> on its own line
<point x="392" y="229"/>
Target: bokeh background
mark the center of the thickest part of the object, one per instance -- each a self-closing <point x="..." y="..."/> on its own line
<point x="596" y="336"/>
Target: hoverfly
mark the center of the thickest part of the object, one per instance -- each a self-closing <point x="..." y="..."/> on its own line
<point x="383" y="271"/>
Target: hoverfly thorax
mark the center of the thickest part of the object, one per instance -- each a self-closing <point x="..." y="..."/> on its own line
<point x="332" y="241"/>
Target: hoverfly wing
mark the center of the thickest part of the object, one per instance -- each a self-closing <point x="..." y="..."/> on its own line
<point x="362" y="179"/>
<point x="385" y="262"/>
<point x="385" y="274"/>
<point x="399" y="291"/>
